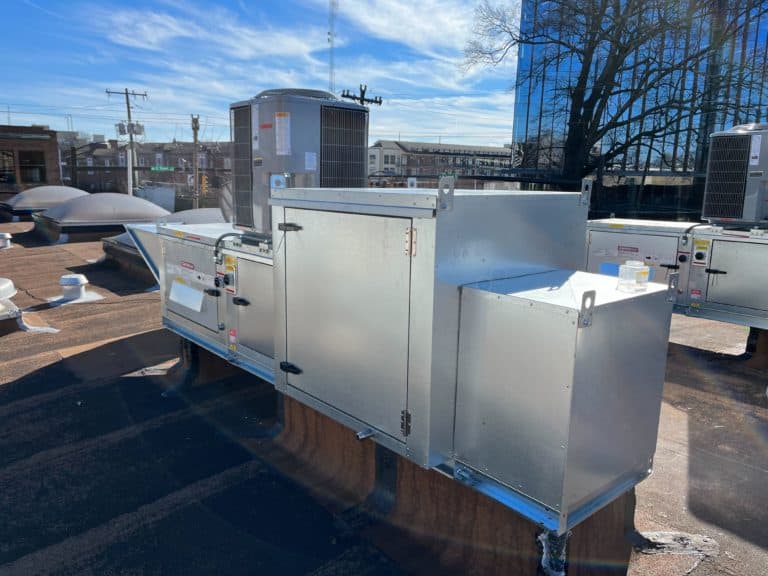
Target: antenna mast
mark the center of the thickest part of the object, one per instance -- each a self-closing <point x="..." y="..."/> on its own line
<point x="333" y="6"/>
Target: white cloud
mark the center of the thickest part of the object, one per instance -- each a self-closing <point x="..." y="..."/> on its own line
<point x="145" y="30"/>
<point x="483" y="119"/>
<point x="435" y="27"/>
<point x="216" y="30"/>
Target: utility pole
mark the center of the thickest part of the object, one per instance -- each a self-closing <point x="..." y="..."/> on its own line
<point x="196" y="192"/>
<point x="361" y="98"/>
<point x="132" y="160"/>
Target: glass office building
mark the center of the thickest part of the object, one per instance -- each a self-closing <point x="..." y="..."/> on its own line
<point x="732" y="84"/>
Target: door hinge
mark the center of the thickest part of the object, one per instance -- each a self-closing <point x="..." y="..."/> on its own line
<point x="405" y="422"/>
<point x="289" y="227"/>
<point x="290" y="368"/>
<point x="410" y="241"/>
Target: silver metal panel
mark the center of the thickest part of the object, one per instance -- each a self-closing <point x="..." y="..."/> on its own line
<point x="347" y="306"/>
<point x="513" y="401"/>
<point x="486" y="236"/>
<point x="619" y="379"/>
<point x="373" y="209"/>
<point x="190" y="266"/>
<point x="404" y="198"/>
<point x="635" y="225"/>
<point x="147" y="242"/>
<point x="617" y="247"/>
<point x="746" y="278"/>
<point x="256" y="321"/>
<point x="201" y="233"/>
<point x="562" y="433"/>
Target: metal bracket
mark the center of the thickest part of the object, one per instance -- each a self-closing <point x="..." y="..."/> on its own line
<point x="587" y="305"/>
<point x="586" y="190"/>
<point x="445" y="187"/>
<point x="405" y="422"/>
<point x="365" y="433"/>
<point x="672" y="284"/>
<point x="464" y="476"/>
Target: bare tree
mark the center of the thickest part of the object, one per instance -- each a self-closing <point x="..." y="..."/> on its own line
<point x="627" y="80"/>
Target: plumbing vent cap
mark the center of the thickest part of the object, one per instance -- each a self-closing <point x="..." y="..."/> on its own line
<point x="73" y="286"/>
<point x="7" y="289"/>
<point x="73" y="280"/>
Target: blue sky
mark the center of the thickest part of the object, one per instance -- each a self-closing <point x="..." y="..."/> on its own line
<point x="197" y="57"/>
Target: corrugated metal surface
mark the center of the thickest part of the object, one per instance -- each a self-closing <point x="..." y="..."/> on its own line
<point x="726" y="177"/>
<point x="343" y="147"/>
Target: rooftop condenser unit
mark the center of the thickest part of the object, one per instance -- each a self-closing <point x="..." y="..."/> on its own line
<point x="310" y="136"/>
<point x="736" y="190"/>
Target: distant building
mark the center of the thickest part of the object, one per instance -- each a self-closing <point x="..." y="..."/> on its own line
<point x="101" y="167"/>
<point x="29" y="156"/>
<point x="398" y="160"/>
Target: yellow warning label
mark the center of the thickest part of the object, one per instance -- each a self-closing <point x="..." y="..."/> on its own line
<point x="701" y="244"/>
<point x="615" y="225"/>
<point x="178" y="234"/>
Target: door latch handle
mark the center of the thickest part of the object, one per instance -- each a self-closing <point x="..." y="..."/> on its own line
<point x="212" y="292"/>
<point x="290" y="368"/>
<point x="239" y="301"/>
<point x="714" y="271"/>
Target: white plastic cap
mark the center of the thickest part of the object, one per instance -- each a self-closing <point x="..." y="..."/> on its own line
<point x="73" y="280"/>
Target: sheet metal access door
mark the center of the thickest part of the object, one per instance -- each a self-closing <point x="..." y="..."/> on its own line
<point x="189" y="272"/>
<point x="349" y="338"/>
<point x="745" y="277"/>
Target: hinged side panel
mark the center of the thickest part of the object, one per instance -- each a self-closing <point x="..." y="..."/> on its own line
<point x="347" y="304"/>
<point x="515" y="381"/>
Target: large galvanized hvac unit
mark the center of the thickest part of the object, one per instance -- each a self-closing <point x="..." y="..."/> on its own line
<point x="367" y="296"/>
<point x="736" y="190"/>
<point x="310" y="136"/>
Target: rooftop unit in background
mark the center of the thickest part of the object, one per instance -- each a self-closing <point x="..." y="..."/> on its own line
<point x="736" y="191"/>
<point x="308" y="135"/>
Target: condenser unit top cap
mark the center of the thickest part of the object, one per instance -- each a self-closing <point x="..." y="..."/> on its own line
<point x="303" y="92"/>
<point x="748" y="128"/>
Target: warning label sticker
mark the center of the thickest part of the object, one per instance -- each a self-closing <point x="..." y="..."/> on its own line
<point x="754" y="149"/>
<point x="283" y="133"/>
